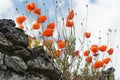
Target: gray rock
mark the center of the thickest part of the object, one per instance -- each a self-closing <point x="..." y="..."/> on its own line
<point x="15" y="35"/>
<point x="34" y="76"/>
<point x="2" y="63"/>
<point x="39" y="63"/>
<point x="4" y="44"/>
<point x="18" y="38"/>
<point x="15" y="63"/>
<point x="22" y="52"/>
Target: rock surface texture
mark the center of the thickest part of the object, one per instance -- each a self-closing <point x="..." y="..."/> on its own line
<point x="17" y="62"/>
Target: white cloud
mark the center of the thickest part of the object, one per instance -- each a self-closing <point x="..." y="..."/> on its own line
<point x="7" y="9"/>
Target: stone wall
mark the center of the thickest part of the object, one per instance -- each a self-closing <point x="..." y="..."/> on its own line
<point x="17" y="62"/>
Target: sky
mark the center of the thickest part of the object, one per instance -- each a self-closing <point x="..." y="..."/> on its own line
<point x="101" y="16"/>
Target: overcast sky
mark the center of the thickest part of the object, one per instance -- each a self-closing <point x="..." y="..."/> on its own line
<point x="102" y="15"/>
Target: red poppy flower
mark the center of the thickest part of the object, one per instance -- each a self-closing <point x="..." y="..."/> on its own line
<point x="21" y="26"/>
<point x="61" y="44"/>
<point x="87" y="34"/>
<point x="86" y="53"/>
<point x="103" y="48"/>
<point x="110" y="51"/>
<point x="42" y="19"/>
<point x="88" y="59"/>
<point x="37" y="11"/>
<point x="94" y="48"/>
<point x="48" y="32"/>
<point x="58" y="41"/>
<point x="58" y="53"/>
<point x="20" y="19"/>
<point x="98" y="64"/>
<point x="30" y="6"/>
<point x="71" y="15"/>
<point x="36" y="26"/>
<point x="38" y="20"/>
<point x="106" y="60"/>
<point x="69" y="23"/>
<point x="51" y="25"/>
<point x="48" y="43"/>
<point x="77" y="53"/>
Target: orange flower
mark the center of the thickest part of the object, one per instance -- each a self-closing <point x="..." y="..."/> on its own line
<point x="36" y="26"/>
<point x="88" y="59"/>
<point x="42" y="19"/>
<point x="20" y="19"/>
<point x="77" y="53"/>
<point x="51" y="25"/>
<point x="58" y="41"/>
<point x="38" y="20"/>
<point x="110" y="51"/>
<point x="94" y="48"/>
<point x="87" y="34"/>
<point x="61" y="44"/>
<point x="58" y="53"/>
<point x="103" y="48"/>
<point x="98" y="64"/>
<point x="21" y="26"/>
<point x="86" y="53"/>
<point x="48" y="32"/>
<point x="37" y="11"/>
<point x="106" y="60"/>
<point x="71" y="15"/>
<point x="48" y="43"/>
<point x="69" y="23"/>
<point x="30" y="6"/>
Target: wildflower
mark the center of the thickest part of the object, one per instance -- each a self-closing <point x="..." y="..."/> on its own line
<point x="30" y="6"/>
<point x="61" y="44"/>
<point x="48" y="32"/>
<point x="37" y="11"/>
<point x="94" y="48"/>
<point x="103" y="48"/>
<point x="88" y="59"/>
<point x="58" y="41"/>
<point x="51" y="25"/>
<point x="69" y="23"/>
<point x="71" y="15"/>
<point x="42" y="19"/>
<point x="110" y="51"/>
<point x="48" y="43"/>
<point x="87" y="34"/>
<point x="86" y="53"/>
<point x="106" y="60"/>
<point x="77" y="53"/>
<point x="98" y="64"/>
<point x="20" y="19"/>
<point x="36" y="26"/>
<point x="38" y="20"/>
<point x="58" y="53"/>
<point x="21" y="26"/>
<point x="35" y="43"/>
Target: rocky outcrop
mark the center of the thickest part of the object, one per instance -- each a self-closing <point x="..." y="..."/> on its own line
<point x="17" y="62"/>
